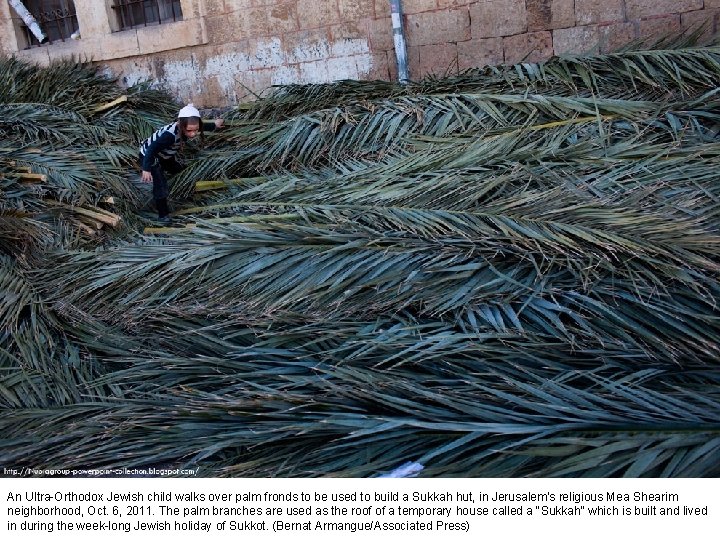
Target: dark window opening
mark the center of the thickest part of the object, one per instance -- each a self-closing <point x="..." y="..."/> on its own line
<point x="56" y="18"/>
<point x="134" y="13"/>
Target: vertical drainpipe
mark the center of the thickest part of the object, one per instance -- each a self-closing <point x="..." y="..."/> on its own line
<point x="399" y="38"/>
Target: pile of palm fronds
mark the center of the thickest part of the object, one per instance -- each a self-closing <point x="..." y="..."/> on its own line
<point x="69" y="141"/>
<point x="514" y="272"/>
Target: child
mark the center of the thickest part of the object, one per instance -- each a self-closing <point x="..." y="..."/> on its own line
<point x="158" y="153"/>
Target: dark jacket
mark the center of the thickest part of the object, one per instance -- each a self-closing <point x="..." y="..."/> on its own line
<point x="165" y="143"/>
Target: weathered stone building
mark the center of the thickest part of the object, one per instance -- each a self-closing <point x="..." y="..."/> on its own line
<point x="219" y="52"/>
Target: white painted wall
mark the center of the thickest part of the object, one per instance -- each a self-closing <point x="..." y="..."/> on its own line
<point x="232" y="73"/>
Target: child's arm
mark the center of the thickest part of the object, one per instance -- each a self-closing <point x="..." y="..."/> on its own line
<point x="216" y="124"/>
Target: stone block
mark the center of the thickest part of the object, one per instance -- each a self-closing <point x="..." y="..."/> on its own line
<point x="116" y="45"/>
<point x="163" y="37"/>
<point x="285" y="75"/>
<point x="382" y="8"/>
<point x="577" y="40"/>
<point x="352" y="10"/>
<point x="476" y="53"/>
<point x="439" y="59"/>
<point x="224" y="63"/>
<point x="659" y="28"/>
<point x="599" y="11"/>
<point x="254" y="22"/>
<point x="316" y="14"/>
<point x="712" y="4"/>
<point x="314" y="72"/>
<point x="36" y="55"/>
<point x="615" y="36"/>
<point x="214" y="92"/>
<point x="704" y="21"/>
<point x="8" y="37"/>
<point x="283" y="17"/>
<point x="530" y="47"/>
<point x="342" y="68"/>
<point x="344" y="48"/>
<point x="413" y="63"/>
<point x="258" y="3"/>
<point x="638" y="9"/>
<point x="215" y="7"/>
<point x="307" y="46"/>
<point x="496" y="18"/>
<point x="417" y="6"/>
<point x="349" y="30"/>
<point x="392" y="65"/>
<point x="380" y="69"/>
<point x="444" y="4"/>
<point x="329" y="69"/>
<point x="266" y="52"/>
<point x="178" y="71"/>
<point x="550" y="14"/>
<point x="381" y="34"/>
<point x="234" y="5"/>
<point x="363" y="62"/>
<point x="224" y="28"/>
<point x="257" y="81"/>
<point x="63" y="50"/>
<point x="437" y="27"/>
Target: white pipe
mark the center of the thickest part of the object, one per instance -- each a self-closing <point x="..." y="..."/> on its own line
<point x="399" y="38"/>
<point x="28" y="19"/>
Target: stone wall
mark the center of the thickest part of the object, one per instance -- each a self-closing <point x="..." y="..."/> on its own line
<point x="445" y="36"/>
<point x="227" y="51"/>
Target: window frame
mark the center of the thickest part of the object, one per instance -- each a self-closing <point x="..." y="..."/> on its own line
<point x="125" y="13"/>
<point x="59" y="33"/>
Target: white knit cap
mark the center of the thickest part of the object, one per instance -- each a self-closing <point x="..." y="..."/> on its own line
<point x="189" y="110"/>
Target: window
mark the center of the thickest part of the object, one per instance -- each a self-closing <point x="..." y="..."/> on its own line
<point x="133" y="13"/>
<point x="56" y="18"/>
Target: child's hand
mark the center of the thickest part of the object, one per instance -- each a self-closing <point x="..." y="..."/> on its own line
<point x="219" y="123"/>
<point x="147" y="177"/>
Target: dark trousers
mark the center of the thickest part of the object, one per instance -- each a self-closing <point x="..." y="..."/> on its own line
<point x="159" y="170"/>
